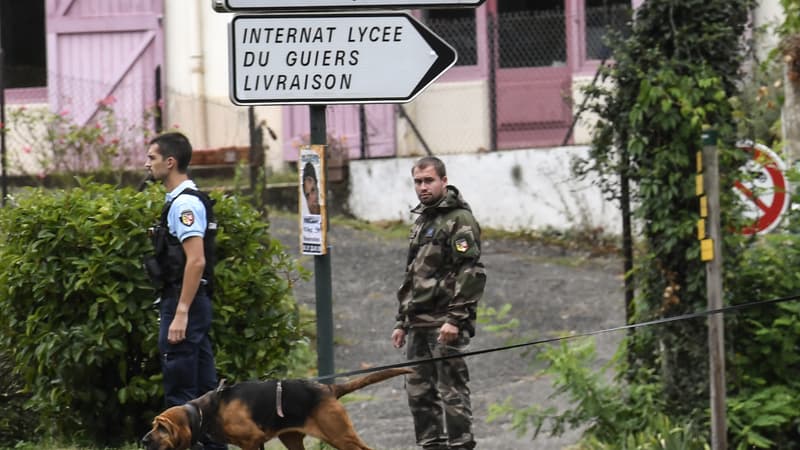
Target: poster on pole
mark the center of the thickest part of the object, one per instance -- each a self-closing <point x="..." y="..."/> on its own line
<point x="313" y="220"/>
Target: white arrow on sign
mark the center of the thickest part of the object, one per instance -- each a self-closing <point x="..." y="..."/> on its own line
<point x="267" y="5"/>
<point x="333" y="58"/>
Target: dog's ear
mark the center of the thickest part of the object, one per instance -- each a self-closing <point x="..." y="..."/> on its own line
<point x="174" y="429"/>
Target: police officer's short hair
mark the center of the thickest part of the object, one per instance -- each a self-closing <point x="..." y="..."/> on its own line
<point x="176" y="145"/>
<point x="429" y="161"/>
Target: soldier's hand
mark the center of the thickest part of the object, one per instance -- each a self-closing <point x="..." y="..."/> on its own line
<point x="448" y="333"/>
<point x="398" y="337"/>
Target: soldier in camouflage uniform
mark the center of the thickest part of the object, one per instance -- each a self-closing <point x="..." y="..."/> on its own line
<point x="438" y="298"/>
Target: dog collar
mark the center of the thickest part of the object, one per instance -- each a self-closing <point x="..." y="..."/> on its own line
<point x="195" y="420"/>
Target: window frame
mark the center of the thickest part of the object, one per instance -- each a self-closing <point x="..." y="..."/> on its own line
<point x="577" y="59"/>
<point x="477" y="71"/>
<point x="28" y="94"/>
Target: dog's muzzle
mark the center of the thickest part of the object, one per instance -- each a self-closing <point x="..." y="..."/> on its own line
<point x="147" y="440"/>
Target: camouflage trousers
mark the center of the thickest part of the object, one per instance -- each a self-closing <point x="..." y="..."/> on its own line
<point x="438" y="395"/>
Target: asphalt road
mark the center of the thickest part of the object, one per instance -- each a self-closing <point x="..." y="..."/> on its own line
<point x="551" y="291"/>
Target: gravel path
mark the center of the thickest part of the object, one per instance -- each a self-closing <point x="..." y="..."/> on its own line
<point x="551" y="292"/>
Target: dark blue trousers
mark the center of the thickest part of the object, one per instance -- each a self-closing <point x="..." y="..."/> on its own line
<point x="188" y="367"/>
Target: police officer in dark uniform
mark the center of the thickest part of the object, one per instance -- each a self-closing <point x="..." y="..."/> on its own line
<point x="182" y="268"/>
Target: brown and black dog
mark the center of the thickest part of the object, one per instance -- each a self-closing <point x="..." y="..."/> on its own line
<point x="248" y="414"/>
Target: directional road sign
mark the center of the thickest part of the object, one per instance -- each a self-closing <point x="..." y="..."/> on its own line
<point x="317" y="5"/>
<point x="333" y="58"/>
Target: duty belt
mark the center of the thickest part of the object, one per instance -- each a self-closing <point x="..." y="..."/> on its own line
<point x="175" y="290"/>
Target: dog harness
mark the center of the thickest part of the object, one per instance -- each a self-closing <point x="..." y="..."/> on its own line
<point x="279" y="399"/>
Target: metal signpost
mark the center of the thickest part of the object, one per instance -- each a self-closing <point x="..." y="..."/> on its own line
<point x="333" y="58"/>
<point x="296" y="5"/>
<point x="319" y="58"/>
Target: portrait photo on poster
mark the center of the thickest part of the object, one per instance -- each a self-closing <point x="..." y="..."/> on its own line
<point x="310" y="188"/>
<point x="312" y="200"/>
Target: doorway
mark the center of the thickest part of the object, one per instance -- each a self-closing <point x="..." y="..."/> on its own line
<point x="533" y="79"/>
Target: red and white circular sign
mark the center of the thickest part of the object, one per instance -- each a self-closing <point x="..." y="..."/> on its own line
<point x="765" y="193"/>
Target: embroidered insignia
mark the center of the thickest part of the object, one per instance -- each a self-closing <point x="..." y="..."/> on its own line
<point x="187" y="217"/>
<point x="462" y="245"/>
<point x="429" y="232"/>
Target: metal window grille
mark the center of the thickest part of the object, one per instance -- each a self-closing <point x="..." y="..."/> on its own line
<point x="457" y="27"/>
<point x="602" y="16"/>
<point x="532" y="39"/>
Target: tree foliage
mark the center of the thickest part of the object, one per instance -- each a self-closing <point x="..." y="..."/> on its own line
<point x="671" y="76"/>
<point x="677" y="72"/>
<point x="78" y="323"/>
<point x="791" y="23"/>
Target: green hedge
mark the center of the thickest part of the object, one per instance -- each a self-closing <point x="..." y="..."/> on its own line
<point x="78" y="324"/>
<point x="763" y="342"/>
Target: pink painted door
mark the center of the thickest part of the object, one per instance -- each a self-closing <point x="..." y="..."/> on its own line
<point x="104" y="51"/>
<point x="344" y="123"/>
<point x="533" y="77"/>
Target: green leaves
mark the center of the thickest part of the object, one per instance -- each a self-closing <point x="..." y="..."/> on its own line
<point x="612" y="415"/>
<point x="678" y="72"/>
<point x="755" y="416"/>
<point x="763" y="399"/>
<point x="77" y="324"/>
<point x="67" y="301"/>
<point x="58" y="146"/>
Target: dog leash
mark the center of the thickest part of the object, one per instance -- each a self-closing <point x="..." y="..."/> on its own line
<point x="694" y="315"/>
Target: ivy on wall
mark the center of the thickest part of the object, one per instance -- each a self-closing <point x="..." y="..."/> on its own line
<point x="671" y="77"/>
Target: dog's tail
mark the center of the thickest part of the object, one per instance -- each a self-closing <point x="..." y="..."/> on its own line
<point x="341" y="389"/>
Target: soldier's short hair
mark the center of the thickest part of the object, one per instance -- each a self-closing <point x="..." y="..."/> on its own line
<point x="428" y="161"/>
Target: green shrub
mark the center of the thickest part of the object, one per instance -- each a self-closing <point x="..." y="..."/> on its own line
<point x="660" y="434"/>
<point x="58" y="146"/>
<point x="612" y="414"/>
<point x="15" y="421"/>
<point x="77" y="317"/>
<point x="612" y="411"/>
<point x="764" y="391"/>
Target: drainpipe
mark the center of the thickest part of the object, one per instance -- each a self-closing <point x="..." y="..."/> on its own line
<point x="197" y="57"/>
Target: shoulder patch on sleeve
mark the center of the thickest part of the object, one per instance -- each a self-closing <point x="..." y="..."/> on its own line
<point x="187" y="217"/>
<point x="462" y="245"/>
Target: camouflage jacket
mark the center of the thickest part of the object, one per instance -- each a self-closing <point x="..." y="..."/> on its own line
<point x="444" y="278"/>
